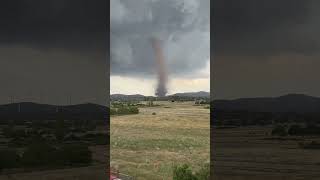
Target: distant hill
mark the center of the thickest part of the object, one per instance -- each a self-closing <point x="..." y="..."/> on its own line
<point x="139" y="97"/>
<point x="299" y="103"/>
<point x="193" y="94"/>
<point x="30" y="110"/>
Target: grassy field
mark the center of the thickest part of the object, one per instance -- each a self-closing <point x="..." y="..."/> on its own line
<point x="96" y="171"/>
<point x="147" y="146"/>
<point x="246" y="153"/>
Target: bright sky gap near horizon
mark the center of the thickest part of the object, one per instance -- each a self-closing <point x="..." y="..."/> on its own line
<point x="128" y="85"/>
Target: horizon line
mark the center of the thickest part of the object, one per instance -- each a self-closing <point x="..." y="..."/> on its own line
<point x="256" y="97"/>
<point x="155" y="95"/>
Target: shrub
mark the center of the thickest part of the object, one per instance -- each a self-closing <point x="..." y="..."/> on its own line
<point x="279" y="131"/>
<point x="113" y="111"/>
<point x="44" y="155"/>
<point x="7" y="131"/>
<point x="183" y="172"/>
<point x="123" y="110"/>
<point x="39" y="154"/>
<point x="9" y="159"/>
<point x="18" y="142"/>
<point x="75" y="155"/>
<point x="310" y="129"/>
<point x="133" y="110"/>
<point x="295" y="130"/>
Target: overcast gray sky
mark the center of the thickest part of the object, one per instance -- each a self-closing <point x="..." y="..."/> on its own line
<point x="184" y="28"/>
<point x="265" y="48"/>
<point x="53" y="50"/>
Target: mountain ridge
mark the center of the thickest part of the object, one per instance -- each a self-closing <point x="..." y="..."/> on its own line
<point x="38" y="107"/>
<point x="141" y="97"/>
<point x="300" y="103"/>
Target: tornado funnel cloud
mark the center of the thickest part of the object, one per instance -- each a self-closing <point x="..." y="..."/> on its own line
<point x="161" y="68"/>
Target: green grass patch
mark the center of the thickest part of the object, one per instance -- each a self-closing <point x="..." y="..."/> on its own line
<point x="156" y="144"/>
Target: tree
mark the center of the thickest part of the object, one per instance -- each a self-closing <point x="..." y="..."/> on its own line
<point x="279" y="131"/>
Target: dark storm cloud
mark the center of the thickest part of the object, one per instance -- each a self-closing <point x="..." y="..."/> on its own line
<point x="54" y="50"/>
<point x="265" y="47"/>
<point x="182" y="25"/>
<point x="265" y="27"/>
<point x="70" y="24"/>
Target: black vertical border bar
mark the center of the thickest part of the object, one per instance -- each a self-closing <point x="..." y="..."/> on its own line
<point x="211" y="86"/>
<point x="108" y="83"/>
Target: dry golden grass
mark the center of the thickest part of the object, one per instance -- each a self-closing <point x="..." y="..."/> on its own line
<point x="146" y="146"/>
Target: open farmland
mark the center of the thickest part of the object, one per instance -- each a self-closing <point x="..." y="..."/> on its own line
<point x="147" y="145"/>
<point x="250" y="153"/>
<point x="95" y="171"/>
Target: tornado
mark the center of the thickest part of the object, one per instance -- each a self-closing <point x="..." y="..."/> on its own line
<point x="161" y="90"/>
